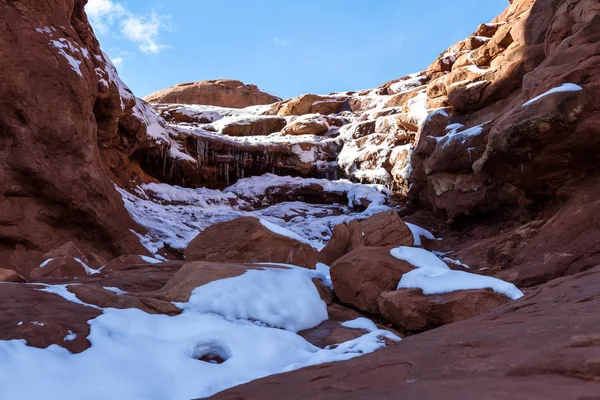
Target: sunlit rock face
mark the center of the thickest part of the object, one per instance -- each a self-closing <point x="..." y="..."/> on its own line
<point x="219" y="92"/>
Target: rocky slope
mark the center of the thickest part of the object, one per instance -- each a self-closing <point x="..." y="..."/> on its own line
<point x="264" y="260"/>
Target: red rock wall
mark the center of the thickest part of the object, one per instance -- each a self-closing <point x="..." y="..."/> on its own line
<point x="54" y="187"/>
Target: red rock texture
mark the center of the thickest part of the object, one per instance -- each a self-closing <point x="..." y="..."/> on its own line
<point x="362" y="275"/>
<point x="412" y="311"/>
<point x="524" y="153"/>
<point x="220" y="92"/>
<point x="247" y="240"/>
<point x="54" y="186"/>
<point x="385" y="229"/>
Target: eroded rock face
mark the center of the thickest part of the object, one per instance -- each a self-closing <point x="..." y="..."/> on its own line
<point x="497" y="146"/>
<point x="54" y="184"/>
<point x="247" y="240"/>
<point x="220" y="92"/>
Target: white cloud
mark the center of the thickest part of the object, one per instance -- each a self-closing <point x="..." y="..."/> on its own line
<point x="118" y="62"/>
<point x="281" y="42"/>
<point x="143" y="30"/>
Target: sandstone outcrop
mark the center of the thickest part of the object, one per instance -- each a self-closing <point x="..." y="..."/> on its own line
<point x="220" y="92"/>
<point x="55" y="186"/>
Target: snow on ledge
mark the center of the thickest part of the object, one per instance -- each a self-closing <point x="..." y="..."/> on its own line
<point x="433" y="276"/>
<point x="419" y="233"/>
<point x="565" y="87"/>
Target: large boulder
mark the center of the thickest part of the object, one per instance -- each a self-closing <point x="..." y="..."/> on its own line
<point x="344" y="238"/>
<point x="362" y="275"/>
<point x="62" y="262"/>
<point x="412" y="311"/>
<point x="247" y="240"/>
<point x="386" y="229"/>
<point x="196" y="274"/>
<point x="298" y="106"/>
<point x="220" y="92"/>
<point x="10" y="276"/>
<point x="255" y="126"/>
<point x="310" y="124"/>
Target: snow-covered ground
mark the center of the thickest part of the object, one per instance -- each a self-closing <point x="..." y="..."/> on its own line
<point x="249" y="322"/>
<point x="174" y="215"/>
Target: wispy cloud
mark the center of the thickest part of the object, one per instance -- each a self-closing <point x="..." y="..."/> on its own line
<point x="118" y="61"/>
<point x="143" y="30"/>
<point x="281" y="42"/>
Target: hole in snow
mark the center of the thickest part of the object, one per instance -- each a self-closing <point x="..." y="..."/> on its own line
<point x="211" y="352"/>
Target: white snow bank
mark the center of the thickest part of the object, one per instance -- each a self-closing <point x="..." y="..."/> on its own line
<point x="419" y="258"/>
<point x="135" y="355"/>
<point x="433" y="276"/>
<point x="419" y="233"/>
<point x="565" y="87"/>
<point x="283" y="298"/>
<point x="360" y="323"/>
<point x="324" y="271"/>
<point x="42" y="265"/>
<point x="62" y="291"/>
<point x="436" y="281"/>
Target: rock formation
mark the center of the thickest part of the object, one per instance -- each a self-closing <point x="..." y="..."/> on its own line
<point x="213" y="206"/>
<point x="220" y="92"/>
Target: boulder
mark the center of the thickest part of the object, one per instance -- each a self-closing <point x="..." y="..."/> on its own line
<point x="310" y="124"/>
<point x="60" y="267"/>
<point x="362" y="275"/>
<point x="344" y="238"/>
<point x="62" y="262"/>
<point x="386" y="229"/>
<point x="412" y="311"/>
<point x="196" y="274"/>
<point x="299" y="106"/>
<point x="220" y="92"/>
<point x="10" y="276"/>
<point x="256" y="126"/>
<point x="247" y="240"/>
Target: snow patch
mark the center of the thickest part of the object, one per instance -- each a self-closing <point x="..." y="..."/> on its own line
<point x="433" y="276"/>
<point x="565" y="87"/>
<point x="419" y="233"/>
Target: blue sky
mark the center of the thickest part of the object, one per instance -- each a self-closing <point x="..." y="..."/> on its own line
<point x="286" y="47"/>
